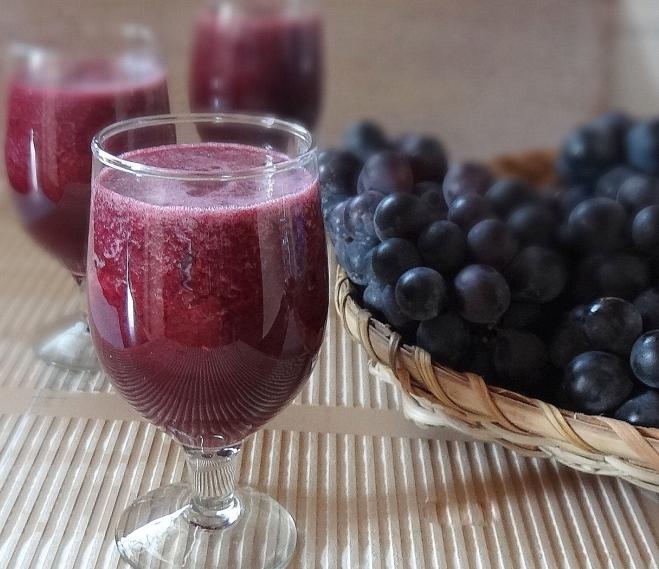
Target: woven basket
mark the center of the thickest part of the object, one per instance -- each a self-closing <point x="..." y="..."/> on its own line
<point x="434" y="395"/>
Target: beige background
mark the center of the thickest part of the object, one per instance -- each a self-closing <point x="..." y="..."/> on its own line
<point x="487" y="76"/>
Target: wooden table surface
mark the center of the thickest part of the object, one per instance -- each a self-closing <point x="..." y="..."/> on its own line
<point x="366" y="487"/>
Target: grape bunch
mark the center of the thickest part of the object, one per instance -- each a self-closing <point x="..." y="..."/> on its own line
<point x="551" y="292"/>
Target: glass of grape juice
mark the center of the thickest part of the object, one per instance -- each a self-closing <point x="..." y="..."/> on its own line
<point x="263" y="56"/>
<point x="61" y="90"/>
<point x="208" y="295"/>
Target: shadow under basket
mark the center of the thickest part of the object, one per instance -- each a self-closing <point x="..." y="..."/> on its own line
<point x="434" y="395"/>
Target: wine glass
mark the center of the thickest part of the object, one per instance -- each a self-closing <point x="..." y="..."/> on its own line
<point x="60" y="92"/>
<point x="208" y="295"/>
<point x="258" y="56"/>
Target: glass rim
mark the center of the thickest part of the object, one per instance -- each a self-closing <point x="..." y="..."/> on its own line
<point x="247" y="8"/>
<point x="52" y="45"/>
<point x="266" y="122"/>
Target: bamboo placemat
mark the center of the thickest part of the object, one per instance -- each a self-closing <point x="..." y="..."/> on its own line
<point x="366" y="487"/>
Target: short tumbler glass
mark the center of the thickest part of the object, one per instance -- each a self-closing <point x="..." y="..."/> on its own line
<point x="208" y="295"/>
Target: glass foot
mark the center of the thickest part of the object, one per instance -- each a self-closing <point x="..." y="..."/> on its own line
<point x="68" y="344"/>
<point x="156" y="531"/>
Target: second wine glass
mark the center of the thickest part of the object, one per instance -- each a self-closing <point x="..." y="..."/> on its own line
<point x="263" y="56"/>
<point x="60" y="93"/>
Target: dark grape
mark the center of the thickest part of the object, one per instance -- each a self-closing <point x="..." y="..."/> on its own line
<point x="598" y="224"/>
<point x="386" y="172"/>
<point x="358" y="215"/>
<point x="400" y="215"/>
<point x="585" y="287"/>
<point x="612" y="324"/>
<point x="548" y="196"/>
<point x="480" y="358"/>
<point x="533" y="224"/>
<point x="577" y="314"/>
<point x="520" y="359"/>
<point x="426" y="156"/>
<point x="554" y="313"/>
<point x="421" y="293"/>
<point x="522" y="315"/>
<point x="446" y="338"/>
<point x="565" y="240"/>
<point x="372" y="296"/>
<point x="432" y="199"/>
<point x="563" y="200"/>
<point x="616" y="124"/>
<point x="467" y="211"/>
<point x="338" y="171"/>
<point x="393" y="257"/>
<point x="609" y="184"/>
<point x="638" y="191"/>
<point x="490" y="242"/>
<point x="324" y="156"/>
<point x="482" y="294"/>
<point x="642" y="146"/>
<point x="381" y="299"/>
<point x="508" y="194"/>
<point x="645" y="358"/>
<point x="588" y="152"/>
<point x="569" y="341"/>
<point x="645" y="229"/>
<point x="421" y="188"/>
<point x="622" y="275"/>
<point x="335" y="226"/>
<point x="597" y="382"/>
<point x="466" y="178"/>
<point x="364" y="139"/>
<point x="536" y="274"/>
<point x="641" y="410"/>
<point x="356" y="258"/>
<point x="329" y="201"/>
<point x="443" y="246"/>
<point x="647" y="304"/>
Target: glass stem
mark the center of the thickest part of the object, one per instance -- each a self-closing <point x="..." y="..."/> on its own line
<point x="214" y="503"/>
<point x="81" y="281"/>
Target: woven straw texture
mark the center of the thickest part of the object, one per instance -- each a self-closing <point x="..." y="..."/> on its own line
<point x="438" y="396"/>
